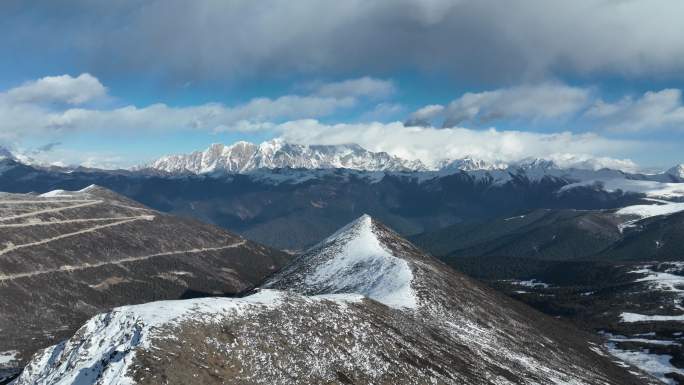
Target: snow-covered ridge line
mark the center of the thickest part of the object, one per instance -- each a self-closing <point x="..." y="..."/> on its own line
<point x="110" y="341"/>
<point x="360" y="246"/>
<point x="352" y="260"/>
<point x="66" y="193"/>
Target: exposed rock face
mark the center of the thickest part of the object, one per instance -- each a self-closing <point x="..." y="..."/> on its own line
<point x="412" y="321"/>
<point x="66" y="256"/>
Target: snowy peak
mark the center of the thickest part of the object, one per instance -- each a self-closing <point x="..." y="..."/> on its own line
<point x="469" y="163"/>
<point x="537" y="163"/>
<point x="677" y="172"/>
<point x="232" y="159"/>
<point x="244" y="157"/>
<point x="353" y="260"/>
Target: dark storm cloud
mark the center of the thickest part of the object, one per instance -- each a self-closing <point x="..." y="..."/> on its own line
<point x="497" y="41"/>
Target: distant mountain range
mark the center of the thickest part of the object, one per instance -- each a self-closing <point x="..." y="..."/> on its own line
<point x="244" y="157"/>
<point x="249" y="158"/>
<point x="268" y="190"/>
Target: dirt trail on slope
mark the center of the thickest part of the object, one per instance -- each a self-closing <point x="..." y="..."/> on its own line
<point x="50" y="210"/>
<point x="67" y="235"/>
<point x="84" y="266"/>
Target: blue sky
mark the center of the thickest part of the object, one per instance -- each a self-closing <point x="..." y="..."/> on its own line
<point x="115" y="84"/>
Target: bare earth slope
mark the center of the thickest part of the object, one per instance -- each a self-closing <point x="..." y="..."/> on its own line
<point x="363" y="307"/>
<point x="66" y="256"/>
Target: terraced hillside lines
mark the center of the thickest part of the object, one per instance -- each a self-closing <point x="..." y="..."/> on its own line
<point x="66" y="256"/>
<point x="68" y="268"/>
<point x="61" y="222"/>
<point x="35" y="201"/>
<point x="67" y="235"/>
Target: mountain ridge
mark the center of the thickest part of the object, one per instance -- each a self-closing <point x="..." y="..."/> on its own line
<point x="67" y="255"/>
<point x="459" y="332"/>
<point x="245" y="157"/>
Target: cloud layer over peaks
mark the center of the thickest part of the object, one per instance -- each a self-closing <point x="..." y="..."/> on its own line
<point x="432" y="145"/>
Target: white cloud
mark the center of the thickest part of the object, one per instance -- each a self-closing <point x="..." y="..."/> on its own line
<point x="431" y="144"/>
<point x="161" y="117"/>
<point x="23" y="113"/>
<point x="361" y="87"/>
<point x="653" y="110"/>
<point x="528" y="102"/>
<point x="383" y="111"/>
<point x="592" y="162"/>
<point x="423" y="117"/>
<point x="58" y="89"/>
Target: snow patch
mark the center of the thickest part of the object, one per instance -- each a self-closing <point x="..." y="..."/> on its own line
<point x="88" y="188"/>
<point x="621" y="338"/>
<point x="8" y="357"/>
<point x="658" y="365"/>
<point x="56" y="193"/>
<point x="634" y="317"/>
<point x="657" y="209"/>
<point x="649" y="188"/>
<point x="533" y="283"/>
<point x="661" y="280"/>
<point x="512" y="218"/>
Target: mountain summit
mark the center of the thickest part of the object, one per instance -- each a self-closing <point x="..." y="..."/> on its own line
<point x="353" y="260"/>
<point x="677" y="172"/>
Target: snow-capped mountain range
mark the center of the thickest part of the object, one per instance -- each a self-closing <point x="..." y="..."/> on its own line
<point x="245" y="157"/>
<point x="278" y="162"/>
<point x="295" y="161"/>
